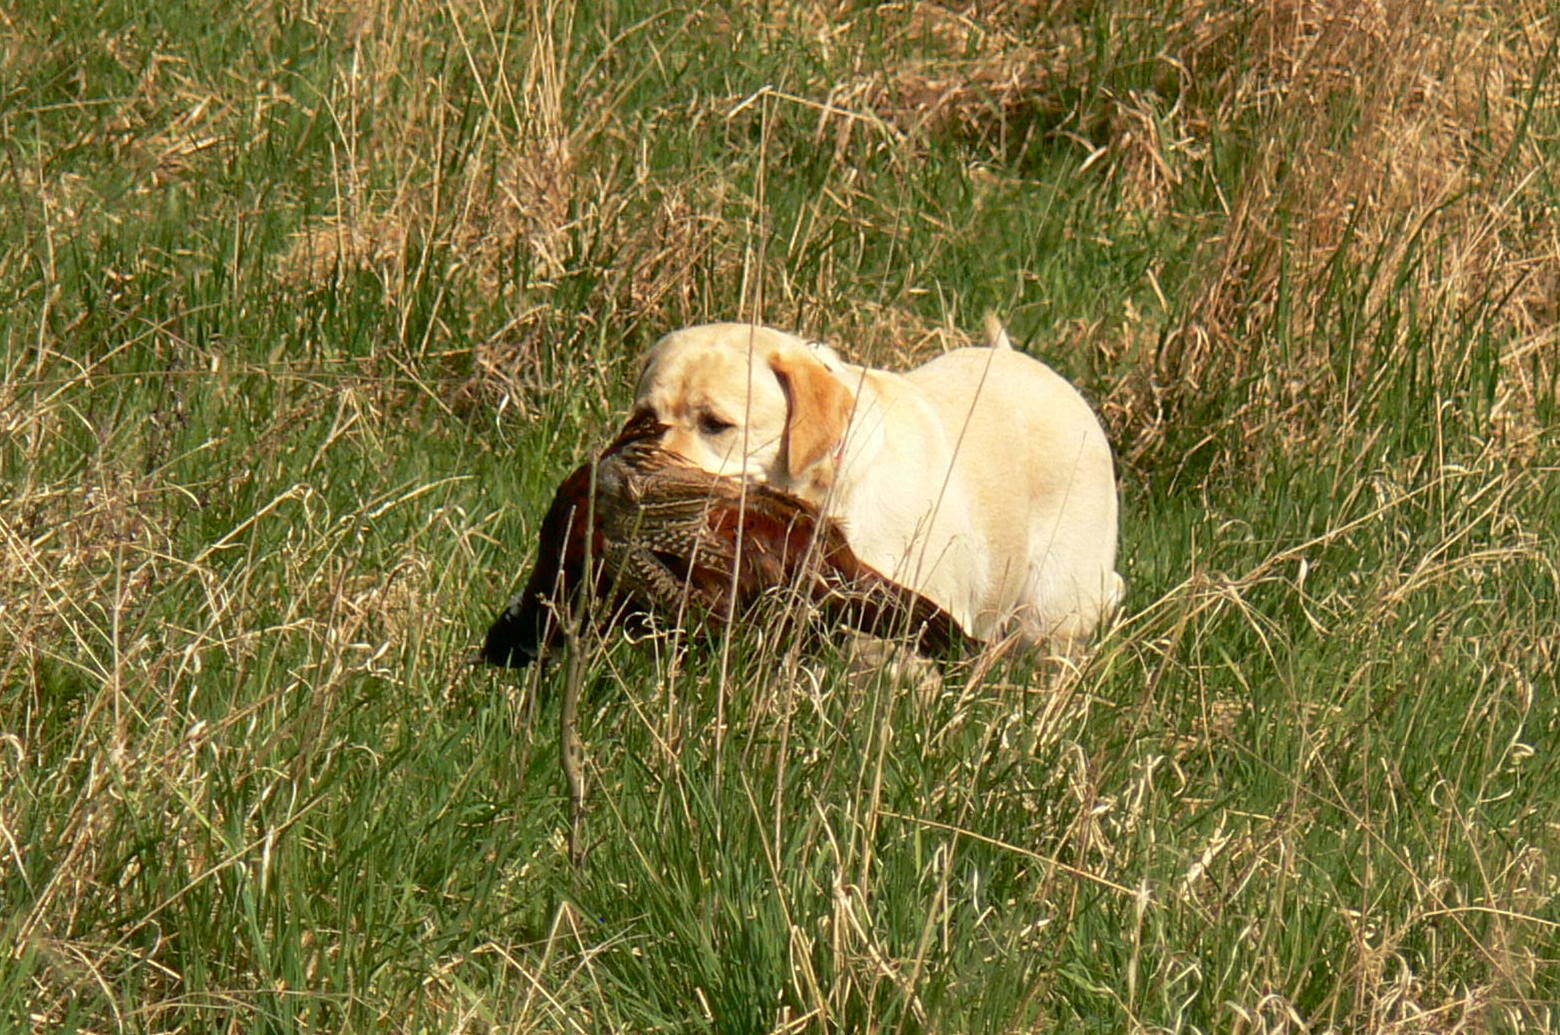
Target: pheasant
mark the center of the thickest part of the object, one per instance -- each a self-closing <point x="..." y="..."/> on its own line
<point x="644" y="531"/>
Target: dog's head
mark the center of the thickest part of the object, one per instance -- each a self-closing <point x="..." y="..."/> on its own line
<point x="748" y="401"/>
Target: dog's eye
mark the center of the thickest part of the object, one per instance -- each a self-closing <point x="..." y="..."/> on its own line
<point x="713" y="425"/>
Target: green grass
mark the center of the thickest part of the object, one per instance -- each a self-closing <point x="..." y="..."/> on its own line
<point x="305" y="311"/>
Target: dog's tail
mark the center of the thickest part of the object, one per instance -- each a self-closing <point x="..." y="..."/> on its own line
<point x="996" y="334"/>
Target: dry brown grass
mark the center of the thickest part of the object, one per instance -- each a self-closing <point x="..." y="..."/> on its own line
<point x="1386" y="141"/>
<point x="979" y="79"/>
<point x="525" y="191"/>
<point x="1386" y="138"/>
<point x="518" y="208"/>
<point x="374" y="223"/>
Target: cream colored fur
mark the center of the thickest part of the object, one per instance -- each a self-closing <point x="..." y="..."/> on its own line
<point x="981" y="479"/>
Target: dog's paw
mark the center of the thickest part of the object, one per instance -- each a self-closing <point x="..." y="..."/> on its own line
<point x="871" y="660"/>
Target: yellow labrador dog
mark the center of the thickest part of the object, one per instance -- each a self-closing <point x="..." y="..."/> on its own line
<point x="981" y="479"/>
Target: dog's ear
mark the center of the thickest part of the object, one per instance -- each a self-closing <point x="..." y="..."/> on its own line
<point x="818" y="409"/>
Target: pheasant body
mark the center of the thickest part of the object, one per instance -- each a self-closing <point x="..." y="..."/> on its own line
<point x="640" y="530"/>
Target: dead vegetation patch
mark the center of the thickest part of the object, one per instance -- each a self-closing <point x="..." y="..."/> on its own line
<point x="519" y="214"/>
<point x="981" y="81"/>
<point x="519" y="184"/>
<point x="1387" y="157"/>
<point x="163" y="123"/>
<point x="1388" y="166"/>
<point x="1390" y="161"/>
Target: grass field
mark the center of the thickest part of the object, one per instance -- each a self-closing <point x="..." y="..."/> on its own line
<point x="306" y="308"/>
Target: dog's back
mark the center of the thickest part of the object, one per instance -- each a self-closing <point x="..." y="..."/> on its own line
<point x="1035" y="467"/>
